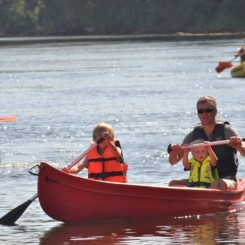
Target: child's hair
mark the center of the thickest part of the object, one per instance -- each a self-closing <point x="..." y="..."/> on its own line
<point x="199" y="141"/>
<point x="103" y="127"/>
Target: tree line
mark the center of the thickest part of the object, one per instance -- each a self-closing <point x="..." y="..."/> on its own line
<point x="119" y="17"/>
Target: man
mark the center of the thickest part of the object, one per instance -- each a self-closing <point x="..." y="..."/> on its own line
<point x="210" y="129"/>
<point x="241" y="53"/>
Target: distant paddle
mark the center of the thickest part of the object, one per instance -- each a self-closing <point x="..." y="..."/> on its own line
<point x="11" y="217"/>
<point x="8" y="119"/>
<point x="224" y="65"/>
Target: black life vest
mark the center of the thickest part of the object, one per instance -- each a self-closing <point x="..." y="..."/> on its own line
<point x="227" y="159"/>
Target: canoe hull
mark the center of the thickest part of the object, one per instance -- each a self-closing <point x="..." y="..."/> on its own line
<point x="238" y="71"/>
<point x="68" y="198"/>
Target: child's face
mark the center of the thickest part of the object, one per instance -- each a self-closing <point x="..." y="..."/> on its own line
<point x="98" y="135"/>
<point x="199" y="153"/>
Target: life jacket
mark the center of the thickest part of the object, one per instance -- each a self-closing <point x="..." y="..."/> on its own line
<point x="106" y="167"/>
<point x="227" y="159"/>
<point x="202" y="174"/>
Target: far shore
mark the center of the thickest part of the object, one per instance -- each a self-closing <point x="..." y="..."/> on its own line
<point x="180" y="36"/>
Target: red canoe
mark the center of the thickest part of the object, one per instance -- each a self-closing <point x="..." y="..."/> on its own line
<point x="70" y="198"/>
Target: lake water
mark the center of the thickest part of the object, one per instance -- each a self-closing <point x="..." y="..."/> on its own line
<point x="147" y="90"/>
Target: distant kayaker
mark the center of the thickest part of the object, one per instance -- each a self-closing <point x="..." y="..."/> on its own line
<point x="210" y="129"/>
<point x="241" y="53"/>
<point x="202" y="165"/>
<point x="104" y="162"/>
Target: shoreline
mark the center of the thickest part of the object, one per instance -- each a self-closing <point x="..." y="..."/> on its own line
<point x="180" y="36"/>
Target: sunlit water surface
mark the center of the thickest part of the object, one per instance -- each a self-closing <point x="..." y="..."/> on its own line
<point x="147" y="91"/>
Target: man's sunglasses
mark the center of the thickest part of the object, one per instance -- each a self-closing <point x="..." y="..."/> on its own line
<point x="208" y="110"/>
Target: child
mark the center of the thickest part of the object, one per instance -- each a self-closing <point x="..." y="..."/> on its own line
<point x="202" y="165"/>
<point x="104" y="162"/>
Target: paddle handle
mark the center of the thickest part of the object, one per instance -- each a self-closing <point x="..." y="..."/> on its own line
<point x="212" y="143"/>
<point x="85" y="153"/>
<point x="220" y="142"/>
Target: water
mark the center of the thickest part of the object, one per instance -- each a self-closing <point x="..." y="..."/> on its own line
<point x="147" y="91"/>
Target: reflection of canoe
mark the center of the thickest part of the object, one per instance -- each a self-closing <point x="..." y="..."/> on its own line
<point x="193" y="230"/>
<point x="69" y="198"/>
<point x="238" y="71"/>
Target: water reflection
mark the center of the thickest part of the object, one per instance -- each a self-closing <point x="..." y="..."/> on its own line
<point x="205" y="229"/>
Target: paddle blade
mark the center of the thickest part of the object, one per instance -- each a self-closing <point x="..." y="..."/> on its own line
<point x="11" y="217"/>
<point x="223" y="65"/>
<point x="219" y="69"/>
<point x="8" y="119"/>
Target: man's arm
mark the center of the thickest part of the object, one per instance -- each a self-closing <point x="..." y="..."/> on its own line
<point x="176" y="153"/>
<point x="235" y="140"/>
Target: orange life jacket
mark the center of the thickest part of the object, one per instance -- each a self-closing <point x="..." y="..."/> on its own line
<point x="106" y="167"/>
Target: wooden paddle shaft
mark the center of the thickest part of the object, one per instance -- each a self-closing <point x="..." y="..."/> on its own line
<point x="85" y="153"/>
<point x="220" y="142"/>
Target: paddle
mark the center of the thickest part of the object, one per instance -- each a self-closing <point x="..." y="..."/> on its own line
<point x="11" y="217"/>
<point x="220" y="142"/>
<point x="85" y="153"/>
<point x="212" y="143"/>
<point x="224" y="65"/>
<point x="8" y="119"/>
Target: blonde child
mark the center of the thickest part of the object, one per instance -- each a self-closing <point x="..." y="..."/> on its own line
<point x="104" y="162"/>
<point x="202" y="165"/>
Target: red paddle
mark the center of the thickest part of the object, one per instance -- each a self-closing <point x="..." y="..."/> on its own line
<point x="8" y="119"/>
<point x="224" y="65"/>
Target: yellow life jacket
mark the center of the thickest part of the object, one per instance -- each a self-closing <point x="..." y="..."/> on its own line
<point x="202" y="174"/>
<point x="106" y="167"/>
